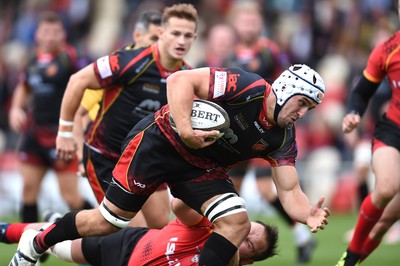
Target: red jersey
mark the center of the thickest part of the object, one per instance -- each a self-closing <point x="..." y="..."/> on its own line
<point x="385" y="61"/>
<point x="172" y="245"/>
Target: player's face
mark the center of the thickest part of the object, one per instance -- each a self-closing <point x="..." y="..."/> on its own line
<point x="148" y="37"/>
<point x="50" y="36"/>
<point x="254" y="243"/>
<point x="177" y="37"/>
<point x="295" y="108"/>
<point x="248" y="26"/>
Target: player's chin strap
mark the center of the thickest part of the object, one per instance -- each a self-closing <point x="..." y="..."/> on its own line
<point x="112" y="217"/>
<point x="226" y="204"/>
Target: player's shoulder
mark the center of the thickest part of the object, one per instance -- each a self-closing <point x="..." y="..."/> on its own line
<point x="389" y="45"/>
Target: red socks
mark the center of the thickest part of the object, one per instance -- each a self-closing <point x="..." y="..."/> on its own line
<point x="368" y="217"/>
<point x="14" y="232"/>
<point x="369" y="246"/>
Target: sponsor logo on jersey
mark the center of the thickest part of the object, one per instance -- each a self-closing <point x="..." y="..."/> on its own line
<point x="195" y="259"/>
<point x="259" y="127"/>
<point x="261" y="145"/>
<point x="103" y="64"/>
<point x="51" y="70"/>
<point x="219" y="83"/>
<point x="138" y="184"/>
<point x="241" y="121"/>
<point x="147" y="87"/>
<point x="142" y="65"/>
<point x="232" y="80"/>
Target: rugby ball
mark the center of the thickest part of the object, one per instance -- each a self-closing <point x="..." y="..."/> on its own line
<point x="207" y="115"/>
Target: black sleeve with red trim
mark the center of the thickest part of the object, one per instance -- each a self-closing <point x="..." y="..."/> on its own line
<point x="361" y="95"/>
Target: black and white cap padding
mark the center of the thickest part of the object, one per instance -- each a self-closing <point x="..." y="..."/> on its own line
<point x="299" y="79"/>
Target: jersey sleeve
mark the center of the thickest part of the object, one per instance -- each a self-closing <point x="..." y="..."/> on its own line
<point x="376" y="70"/>
<point x="118" y="68"/>
<point x="227" y="84"/>
<point x="287" y="154"/>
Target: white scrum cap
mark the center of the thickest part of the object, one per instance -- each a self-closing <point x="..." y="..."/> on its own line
<point x="299" y="79"/>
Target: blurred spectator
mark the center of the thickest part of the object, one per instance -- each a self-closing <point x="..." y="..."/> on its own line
<point x="34" y="113"/>
<point x="219" y="43"/>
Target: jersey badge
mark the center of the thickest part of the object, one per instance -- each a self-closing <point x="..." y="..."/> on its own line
<point x="219" y="83"/>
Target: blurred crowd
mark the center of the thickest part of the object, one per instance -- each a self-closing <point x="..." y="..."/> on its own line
<point x="334" y="37"/>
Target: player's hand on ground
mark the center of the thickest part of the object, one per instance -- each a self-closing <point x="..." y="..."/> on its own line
<point x="198" y="139"/>
<point x="318" y="217"/>
<point x="65" y="148"/>
<point x="350" y="122"/>
<point x="17" y="119"/>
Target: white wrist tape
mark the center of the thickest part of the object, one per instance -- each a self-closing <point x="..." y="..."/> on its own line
<point x="65" y="134"/>
<point x="63" y="122"/>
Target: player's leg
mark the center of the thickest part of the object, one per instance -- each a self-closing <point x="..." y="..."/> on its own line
<point x="387" y="171"/>
<point x="237" y="174"/>
<point x="157" y="208"/>
<point x="390" y="215"/>
<point x="32" y="176"/>
<point x="69" y="189"/>
<point x="220" y="203"/>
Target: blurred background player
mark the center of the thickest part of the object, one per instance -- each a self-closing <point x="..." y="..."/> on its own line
<point x="380" y="209"/>
<point x="145" y="33"/>
<point x="134" y="82"/>
<point x="35" y="111"/>
<point x="255" y="53"/>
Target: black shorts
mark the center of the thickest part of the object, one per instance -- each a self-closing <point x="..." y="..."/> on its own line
<point x="386" y="132"/>
<point x="149" y="160"/>
<point x="114" y="249"/>
<point x="38" y="148"/>
<point x="98" y="171"/>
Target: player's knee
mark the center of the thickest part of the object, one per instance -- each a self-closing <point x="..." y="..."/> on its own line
<point x="386" y="193"/>
<point x="229" y="215"/>
<point x="112" y="218"/>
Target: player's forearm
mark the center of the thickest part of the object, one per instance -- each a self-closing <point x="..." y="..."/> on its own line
<point x="296" y="205"/>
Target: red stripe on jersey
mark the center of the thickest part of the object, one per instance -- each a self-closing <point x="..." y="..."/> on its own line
<point x="94" y="181"/>
<point x="121" y="170"/>
<point x="259" y="82"/>
<point x="142" y="54"/>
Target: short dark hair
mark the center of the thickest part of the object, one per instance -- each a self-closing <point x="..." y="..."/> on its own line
<point x="50" y="17"/>
<point x="272" y="235"/>
<point x="148" y="17"/>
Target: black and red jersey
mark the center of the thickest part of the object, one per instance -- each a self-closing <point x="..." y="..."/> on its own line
<point x="385" y="61"/>
<point x="242" y="94"/>
<point x="46" y="76"/>
<point x="135" y="86"/>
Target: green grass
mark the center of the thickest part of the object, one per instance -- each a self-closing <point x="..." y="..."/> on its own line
<point x="329" y="248"/>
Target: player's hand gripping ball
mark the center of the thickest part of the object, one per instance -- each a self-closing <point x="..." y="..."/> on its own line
<point x="207" y="116"/>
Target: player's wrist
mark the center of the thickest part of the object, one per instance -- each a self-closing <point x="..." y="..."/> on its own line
<point x="65" y="134"/>
<point x="65" y="125"/>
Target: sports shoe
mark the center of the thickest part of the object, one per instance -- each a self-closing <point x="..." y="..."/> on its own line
<point x="349" y="259"/>
<point x="3" y="230"/>
<point x="51" y="216"/>
<point x="26" y="254"/>
<point x="305" y="251"/>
